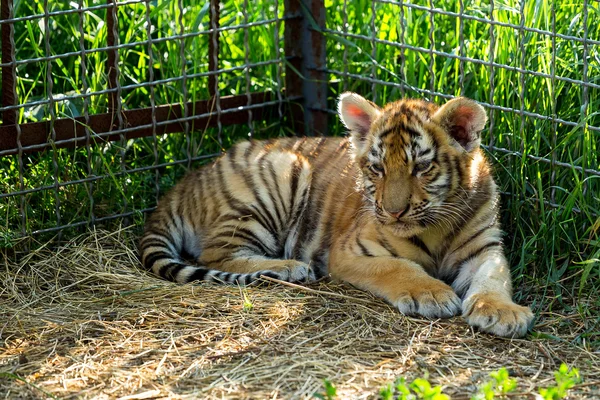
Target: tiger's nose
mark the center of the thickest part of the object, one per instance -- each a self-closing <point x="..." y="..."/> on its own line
<point x="399" y="214"/>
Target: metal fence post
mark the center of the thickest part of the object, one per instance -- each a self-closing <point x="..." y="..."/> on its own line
<point x="305" y="49"/>
<point x="9" y="117"/>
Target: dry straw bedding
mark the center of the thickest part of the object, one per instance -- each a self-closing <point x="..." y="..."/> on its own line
<point x="83" y="321"/>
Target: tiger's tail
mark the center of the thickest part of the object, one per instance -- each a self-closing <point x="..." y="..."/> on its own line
<point x="163" y="256"/>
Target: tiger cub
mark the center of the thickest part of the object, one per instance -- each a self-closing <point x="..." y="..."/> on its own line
<point x="405" y="207"/>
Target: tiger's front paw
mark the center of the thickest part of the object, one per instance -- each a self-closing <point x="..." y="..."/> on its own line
<point x="431" y="299"/>
<point x="495" y="315"/>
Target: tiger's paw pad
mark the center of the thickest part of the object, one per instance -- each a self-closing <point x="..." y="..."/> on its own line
<point x="435" y="300"/>
<point x="494" y="315"/>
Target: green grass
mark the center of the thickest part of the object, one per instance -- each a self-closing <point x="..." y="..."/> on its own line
<point x="420" y="388"/>
<point x="555" y="251"/>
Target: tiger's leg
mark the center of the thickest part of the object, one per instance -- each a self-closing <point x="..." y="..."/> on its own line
<point x="402" y="282"/>
<point x="242" y="245"/>
<point x="485" y="282"/>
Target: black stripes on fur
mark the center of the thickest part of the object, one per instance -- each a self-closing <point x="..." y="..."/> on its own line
<point x="252" y="221"/>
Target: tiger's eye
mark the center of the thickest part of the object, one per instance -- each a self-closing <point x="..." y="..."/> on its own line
<point x="422" y="167"/>
<point x="376" y="169"/>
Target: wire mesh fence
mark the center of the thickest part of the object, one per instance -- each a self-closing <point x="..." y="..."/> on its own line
<point x="106" y="103"/>
<point x="544" y="79"/>
<point x="92" y="91"/>
<point x="534" y="65"/>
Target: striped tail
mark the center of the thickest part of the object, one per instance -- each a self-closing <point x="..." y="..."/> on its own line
<point x="163" y="258"/>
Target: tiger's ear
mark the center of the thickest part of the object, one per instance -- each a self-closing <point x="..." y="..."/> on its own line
<point x="358" y="114"/>
<point x="463" y="120"/>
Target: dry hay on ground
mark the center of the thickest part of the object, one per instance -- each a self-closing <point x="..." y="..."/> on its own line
<point x="82" y="321"/>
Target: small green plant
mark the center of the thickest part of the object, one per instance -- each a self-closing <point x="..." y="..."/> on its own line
<point x="7" y="239"/>
<point x="504" y="383"/>
<point x="485" y="392"/>
<point x="500" y="385"/>
<point x="399" y="387"/>
<point x="565" y="379"/>
<point x="420" y="388"/>
<point x="330" y="391"/>
<point x="247" y="305"/>
<point x="423" y="390"/>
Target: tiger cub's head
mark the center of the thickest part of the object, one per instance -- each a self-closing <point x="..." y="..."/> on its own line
<point x="417" y="159"/>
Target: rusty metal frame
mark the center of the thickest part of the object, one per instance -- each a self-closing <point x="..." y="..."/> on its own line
<point x="170" y="119"/>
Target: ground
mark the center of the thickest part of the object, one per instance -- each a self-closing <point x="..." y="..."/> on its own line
<point x="82" y="321"/>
